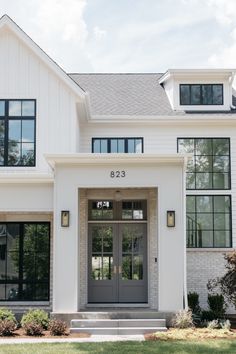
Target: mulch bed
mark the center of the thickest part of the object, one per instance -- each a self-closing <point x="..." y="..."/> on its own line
<point x="19" y="333"/>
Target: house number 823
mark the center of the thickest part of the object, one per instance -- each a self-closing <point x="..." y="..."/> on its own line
<point x="117" y="174"/>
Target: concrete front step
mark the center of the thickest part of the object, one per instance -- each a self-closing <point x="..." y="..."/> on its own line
<point x="118" y="330"/>
<point x="119" y="323"/>
<point x="117" y="315"/>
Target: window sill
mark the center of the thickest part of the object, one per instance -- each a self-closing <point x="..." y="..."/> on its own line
<point x="230" y="249"/>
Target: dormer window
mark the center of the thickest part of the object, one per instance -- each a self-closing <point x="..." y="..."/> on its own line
<point x="201" y="94"/>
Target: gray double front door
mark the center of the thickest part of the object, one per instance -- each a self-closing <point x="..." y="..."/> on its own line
<point x="117" y="263"/>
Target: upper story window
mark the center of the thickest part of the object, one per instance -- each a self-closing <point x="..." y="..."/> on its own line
<point x="117" y="145"/>
<point x="17" y="132"/>
<point x="210" y="166"/>
<point x="201" y="94"/>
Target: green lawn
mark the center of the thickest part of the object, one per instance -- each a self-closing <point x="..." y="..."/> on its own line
<point x="157" y="347"/>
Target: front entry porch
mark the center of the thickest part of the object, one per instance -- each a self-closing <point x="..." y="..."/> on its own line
<point x="122" y="269"/>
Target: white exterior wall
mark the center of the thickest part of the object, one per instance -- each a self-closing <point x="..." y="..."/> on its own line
<point x="162" y="139"/>
<point x="171" y="241"/>
<point x="25" y="76"/>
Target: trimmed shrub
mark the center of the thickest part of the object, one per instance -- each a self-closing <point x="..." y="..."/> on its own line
<point x="39" y="317"/>
<point x="216" y="304"/>
<point x="57" y="328"/>
<point x="33" y="329"/>
<point x="193" y="302"/>
<point x="208" y="316"/>
<point x="183" y="319"/>
<point x="6" y="314"/>
<point x="7" y="327"/>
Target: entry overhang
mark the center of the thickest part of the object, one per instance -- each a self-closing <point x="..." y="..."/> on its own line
<point x="108" y="159"/>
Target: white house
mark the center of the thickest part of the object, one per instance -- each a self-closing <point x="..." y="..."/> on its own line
<point x="116" y="190"/>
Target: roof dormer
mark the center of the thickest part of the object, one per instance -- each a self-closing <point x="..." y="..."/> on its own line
<point x="199" y="89"/>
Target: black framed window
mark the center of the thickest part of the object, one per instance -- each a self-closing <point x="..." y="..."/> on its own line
<point x="24" y="261"/>
<point x="17" y="132"/>
<point x="117" y="145"/>
<point x="208" y="221"/>
<point x="201" y="94"/>
<point x="210" y="166"/>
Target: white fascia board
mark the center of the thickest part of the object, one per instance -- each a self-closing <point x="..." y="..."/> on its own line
<point x="7" y="22"/>
<point x="9" y="177"/>
<point x="197" y="73"/>
<point x="195" y="118"/>
<point x="110" y="159"/>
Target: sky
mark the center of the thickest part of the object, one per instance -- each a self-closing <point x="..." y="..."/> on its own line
<point x="130" y="35"/>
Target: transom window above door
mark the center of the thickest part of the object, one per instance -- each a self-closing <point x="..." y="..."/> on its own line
<point x="17" y="132"/>
<point x="117" y="145"/>
<point x="112" y="210"/>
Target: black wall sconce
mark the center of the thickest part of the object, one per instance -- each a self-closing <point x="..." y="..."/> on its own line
<point x="170" y="218"/>
<point x="65" y="218"/>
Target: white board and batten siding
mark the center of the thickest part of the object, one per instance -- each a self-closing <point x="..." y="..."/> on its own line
<point x="25" y="76"/>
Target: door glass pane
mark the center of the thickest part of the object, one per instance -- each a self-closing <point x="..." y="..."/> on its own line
<point x="102" y="252"/>
<point x="138" y="267"/>
<point x="102" y="209"/>
<point x="132" y="252"/>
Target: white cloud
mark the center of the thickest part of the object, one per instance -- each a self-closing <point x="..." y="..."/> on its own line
<point x="225" y="12"/>
<point x="99" y="33"/>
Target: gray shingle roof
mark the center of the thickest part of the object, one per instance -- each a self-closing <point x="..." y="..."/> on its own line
<point x="127" y="94"/>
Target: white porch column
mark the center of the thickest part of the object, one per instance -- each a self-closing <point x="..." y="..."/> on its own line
<point x="65" y="247"/>
<point x="171" y="242"/>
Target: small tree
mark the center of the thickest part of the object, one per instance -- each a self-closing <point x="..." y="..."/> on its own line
<point x="226" y="283"/>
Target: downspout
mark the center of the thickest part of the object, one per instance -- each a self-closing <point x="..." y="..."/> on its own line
<point x="185" y="291"/>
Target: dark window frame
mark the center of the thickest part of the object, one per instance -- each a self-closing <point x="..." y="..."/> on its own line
<point x="6" y="118"/>
<point x="212" y="213"/>
<point x="116" y="138"/>
<point x="20" y="280"/>
<point x="201" y="95"/>
<point x="212" y="173"/>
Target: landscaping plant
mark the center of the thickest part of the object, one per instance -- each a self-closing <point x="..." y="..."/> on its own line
<point x="227" y="283"/>
<point x="39" y="317"/>
<point x="183" y="319"/>
<point x="7" y="327"/>
<point x="57" y="328"/>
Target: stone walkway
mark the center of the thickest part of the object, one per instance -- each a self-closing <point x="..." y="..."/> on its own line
<point x="92" y="339"/>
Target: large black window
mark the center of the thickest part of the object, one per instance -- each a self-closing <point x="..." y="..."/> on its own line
<point x="210" y="166"/>
<point x="209" y="221"/>
<point x="17" y="132"/>
<point x="201" y="94"/>
<point x="24" y="261"/>
<point x="117" y="145"/>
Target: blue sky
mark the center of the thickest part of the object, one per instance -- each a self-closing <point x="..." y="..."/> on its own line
<point x="130" y="35"/>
